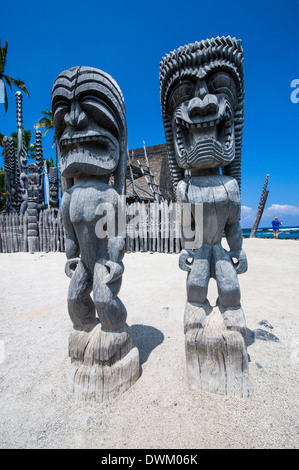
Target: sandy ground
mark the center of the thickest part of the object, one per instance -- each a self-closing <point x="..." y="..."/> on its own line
<point x="159" y="411"/>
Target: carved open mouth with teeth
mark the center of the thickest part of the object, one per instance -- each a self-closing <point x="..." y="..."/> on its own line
<point x="95" y="154"/>
<point x="204" y="141"/>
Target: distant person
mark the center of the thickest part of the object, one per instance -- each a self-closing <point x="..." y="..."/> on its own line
<point x="275" y="225"/>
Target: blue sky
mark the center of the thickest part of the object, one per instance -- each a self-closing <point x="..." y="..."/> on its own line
<point x="128" y="39"/>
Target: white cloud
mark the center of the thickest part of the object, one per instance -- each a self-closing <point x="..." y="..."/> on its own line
<point x="247" y="213"/>
<point x="281" y="210"/>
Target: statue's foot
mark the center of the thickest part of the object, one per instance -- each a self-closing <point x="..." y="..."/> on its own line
<point x="103" y="363"/>
<point x="96" y="346"/>
<point x="234" y="318"/>
<point x="216" y="358"/>
<point x="195" y="315"/>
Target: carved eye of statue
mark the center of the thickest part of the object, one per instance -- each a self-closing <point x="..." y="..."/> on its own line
<point x="60" y="108"/>
<point x="223" y="83"/>
<point x="100" y="112"/>
<point x="181" y="92"/>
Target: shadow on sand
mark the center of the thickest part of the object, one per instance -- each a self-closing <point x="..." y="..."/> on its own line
<point x="146" y="339"/>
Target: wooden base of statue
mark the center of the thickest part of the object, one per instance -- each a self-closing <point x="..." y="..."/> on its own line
<point x="103" y="363"/>
<point x="216" y="355"/>
<point x="33" y="244"/>
<point x="33" y="240"/>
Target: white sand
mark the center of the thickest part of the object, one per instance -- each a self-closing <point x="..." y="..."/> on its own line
<point x="159" y="411"/>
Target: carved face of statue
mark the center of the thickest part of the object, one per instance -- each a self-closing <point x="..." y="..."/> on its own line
<point x="53" y="189"/>
<point x="32" y="174"/>
<point x="202" y="103"/>
<point x="202" y="109"/>
<point x="32" y="168"/>
<point x="86" y="123"/>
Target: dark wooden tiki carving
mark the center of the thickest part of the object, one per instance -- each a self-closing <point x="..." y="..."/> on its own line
<point x="202" y="101"/>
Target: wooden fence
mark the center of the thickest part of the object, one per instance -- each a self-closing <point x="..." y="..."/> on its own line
<point x="149" y="227"/>
<point x="14" y="232"/>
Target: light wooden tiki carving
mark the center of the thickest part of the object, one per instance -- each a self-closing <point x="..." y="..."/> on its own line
<point x="90" y="126"/>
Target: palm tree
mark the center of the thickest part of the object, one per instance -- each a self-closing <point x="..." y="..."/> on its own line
<point x="46" y="121"/>
<point x="30" y="148"/>
<point x="6" y="79"/>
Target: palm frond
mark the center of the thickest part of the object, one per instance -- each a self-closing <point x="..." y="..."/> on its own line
<point x="18" y="83"/>
<point x="30" y="147"/>
<point x="3" y="53"/>
<point x="5" y="99"/>
<point x="54" y="142"/>
<point x="27" y="134"/>
<point x="45" y="121"/>
<point x="8" y="81"/>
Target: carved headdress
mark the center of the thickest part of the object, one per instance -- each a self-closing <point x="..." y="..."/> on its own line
<point x="218" y="63"/>
<point x="90" y="124"/>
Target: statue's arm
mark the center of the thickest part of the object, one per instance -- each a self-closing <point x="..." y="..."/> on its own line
<point x="116" y="245"/>
<point x="233" y="231"/>
<point x="186" y="215"/>
<point x="234" y="236"/>
<point x="187" y="255"/>
<point x="72" y="249"/>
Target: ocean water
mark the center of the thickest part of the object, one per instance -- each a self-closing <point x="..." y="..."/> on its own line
<point x="287" y="233"/>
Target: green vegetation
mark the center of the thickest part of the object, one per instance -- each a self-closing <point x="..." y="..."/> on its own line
<point x="6" y="79"/>
<point x="30" y="148"/>
<point x="46" y="121"/>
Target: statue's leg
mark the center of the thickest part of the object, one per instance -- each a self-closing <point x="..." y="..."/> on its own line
<point x="110" y="309"/>
<point x="226" y="278"/>
<point x="80" y="305"/>
<point x="197" y="305"/>
<point x="104" y="363"/>
<point x="229" y="301"/>
<point x="216" y="356"/>
<point x="198" y="280"/>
